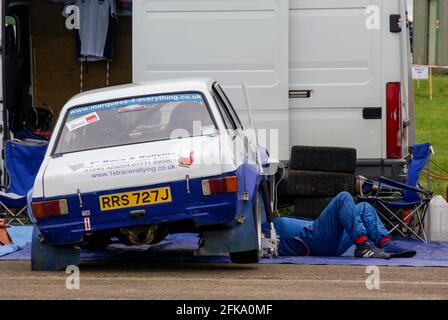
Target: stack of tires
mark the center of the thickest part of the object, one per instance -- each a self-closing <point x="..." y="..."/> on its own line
<point x="317" y="175"/>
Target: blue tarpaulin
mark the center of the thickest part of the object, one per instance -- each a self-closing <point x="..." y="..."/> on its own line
<point x="180" y="248"/>
<point x="20" y="236"/>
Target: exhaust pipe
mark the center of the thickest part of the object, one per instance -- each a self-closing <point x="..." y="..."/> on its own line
<point x="138" y="236"/>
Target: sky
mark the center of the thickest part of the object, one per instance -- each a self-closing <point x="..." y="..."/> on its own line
<point x="410" y="9"/>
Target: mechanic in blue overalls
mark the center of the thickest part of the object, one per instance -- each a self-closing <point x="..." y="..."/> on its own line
<point x="342" y="224"/>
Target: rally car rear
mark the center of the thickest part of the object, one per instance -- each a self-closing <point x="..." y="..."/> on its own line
<point x="147" y="161"/>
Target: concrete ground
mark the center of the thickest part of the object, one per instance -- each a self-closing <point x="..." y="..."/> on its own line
<point x="221" y="281"/>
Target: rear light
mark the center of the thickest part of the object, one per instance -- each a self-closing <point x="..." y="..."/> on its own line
<point x="394" y="123"/>
<point x="219" y="186"/>
<point x="48" y="209"/>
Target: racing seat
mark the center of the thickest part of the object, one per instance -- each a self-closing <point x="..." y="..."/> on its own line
<point x="403" y="206"/>
<point x="22" y="162"/>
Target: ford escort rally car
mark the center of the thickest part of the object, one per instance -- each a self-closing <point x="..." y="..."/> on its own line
<point x="141" y="161"/>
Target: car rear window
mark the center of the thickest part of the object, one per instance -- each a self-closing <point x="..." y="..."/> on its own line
<point x="134" y="120"/>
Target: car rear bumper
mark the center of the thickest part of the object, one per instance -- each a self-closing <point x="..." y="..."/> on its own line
<point x="187" y="205"/>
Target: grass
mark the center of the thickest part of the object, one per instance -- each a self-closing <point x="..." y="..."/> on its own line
<point x="432" y="125"/>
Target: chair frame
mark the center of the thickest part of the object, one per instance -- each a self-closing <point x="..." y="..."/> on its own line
<point x="13" y="216"/>
<point x="10" y="215"/>
<point x="418" y="207"/>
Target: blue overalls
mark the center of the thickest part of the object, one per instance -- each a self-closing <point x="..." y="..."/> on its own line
<point x="333" y="233"/>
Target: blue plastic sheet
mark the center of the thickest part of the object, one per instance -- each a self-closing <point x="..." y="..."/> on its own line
<point x="180" y="248"/>
<point x="20" y="236"/>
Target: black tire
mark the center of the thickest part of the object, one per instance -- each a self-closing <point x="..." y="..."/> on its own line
<point x="257" y="219"/>
<point x="96" y="245"/>
<point x="327" y="159"/>
<point x="320" y="184"/>
<point x="161" y="234"/>
<point x="310" y="207"/>
<point x="98" y="242"/>
<point x="246" y="257"/>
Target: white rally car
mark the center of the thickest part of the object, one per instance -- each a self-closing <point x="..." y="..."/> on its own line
<point x="139" y="162"/>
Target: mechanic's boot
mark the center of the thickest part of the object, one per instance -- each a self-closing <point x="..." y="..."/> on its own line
<point x="368" y="250"/>
<point x="397" y="252"/>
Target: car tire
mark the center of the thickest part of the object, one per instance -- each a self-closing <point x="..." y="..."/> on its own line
<point x="257" y="219"/>
<point x="245" y="257"/>
<point x="160" y="235"/>
<point x="98" y="242"/>
<point x="327" y="159"/>
<point x="310" y="207"/>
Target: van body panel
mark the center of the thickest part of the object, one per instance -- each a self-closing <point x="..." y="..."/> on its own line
<point x="338" y="66"/>
<point x="345" y="66"/>
<point x="234" y="42"/>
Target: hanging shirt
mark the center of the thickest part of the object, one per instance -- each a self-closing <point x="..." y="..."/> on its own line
<point x="94" y="37"/>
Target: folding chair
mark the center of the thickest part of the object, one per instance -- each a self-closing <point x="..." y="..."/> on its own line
<point x="403" y="206"/>
<point x="22" y="162"/>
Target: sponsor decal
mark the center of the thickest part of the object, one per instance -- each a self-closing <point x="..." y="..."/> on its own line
<point x="76" y="167"/>
<point x="131" y="108"/>
<point x="83" y="121"/>
<point x="187" y="162"/>
<point x="133" y="165"/>
<point x="87" y="224"/>
<point x="145" y="101"/>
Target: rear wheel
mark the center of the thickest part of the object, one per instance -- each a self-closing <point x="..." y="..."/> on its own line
<point x="160" y="235"/>
<point x="257" y="219"/>
<point x="98" y="242"/>
<point x="245" y="257"/>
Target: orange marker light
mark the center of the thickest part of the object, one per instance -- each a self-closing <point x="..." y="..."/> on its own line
<point x="220" y="185"/>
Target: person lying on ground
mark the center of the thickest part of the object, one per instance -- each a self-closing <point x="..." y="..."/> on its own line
<point x="342" y="224"/>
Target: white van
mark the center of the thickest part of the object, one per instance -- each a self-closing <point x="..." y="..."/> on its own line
<point x="321" y="72"/>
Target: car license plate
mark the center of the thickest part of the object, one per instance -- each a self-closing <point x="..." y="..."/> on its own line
<point x="135" y="199"/>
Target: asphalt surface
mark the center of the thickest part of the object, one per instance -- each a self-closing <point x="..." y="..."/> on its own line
<point x="221" y="281"/>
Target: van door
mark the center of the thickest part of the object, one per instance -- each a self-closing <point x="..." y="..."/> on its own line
<point x="233" y="42"/>
<point x="336" y="75"/>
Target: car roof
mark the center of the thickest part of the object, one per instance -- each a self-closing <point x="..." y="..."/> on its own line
<point x="140" y="89"/>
